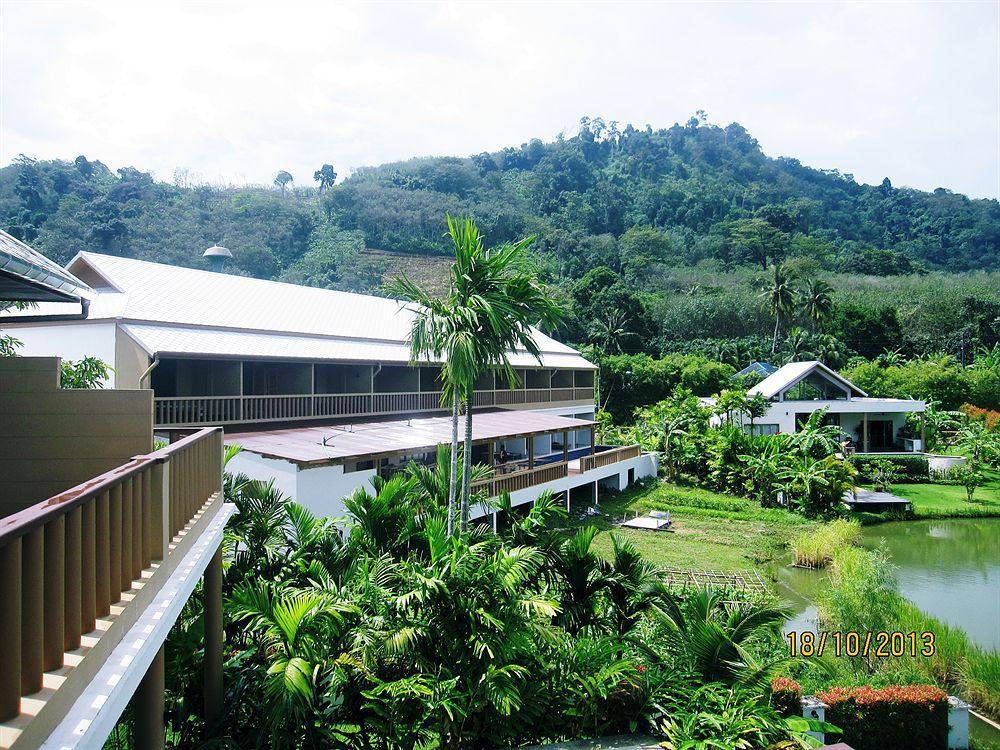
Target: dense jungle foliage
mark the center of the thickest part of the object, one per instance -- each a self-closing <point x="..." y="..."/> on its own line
<point x="660" y="240"/>
<point x="394" y="636"/>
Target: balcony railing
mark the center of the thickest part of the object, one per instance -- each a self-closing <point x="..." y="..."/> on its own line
<point x="522" y="479"/>
<point x="195" y="411"/>
<point x="74" y="570"/>
<point x="608" y="457"/>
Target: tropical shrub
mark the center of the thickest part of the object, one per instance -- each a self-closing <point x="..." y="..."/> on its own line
<point x="786" y="696"/>
<point x="910" y="468"/>
<point x="990" y="417"/>
<point x="629" y="382"/>
<point x="891" y="718"/>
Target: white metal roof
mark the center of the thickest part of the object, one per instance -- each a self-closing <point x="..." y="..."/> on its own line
<point x="26" y="274"/>
<point x="792" y="373"/>
<point x="208" y="313"/>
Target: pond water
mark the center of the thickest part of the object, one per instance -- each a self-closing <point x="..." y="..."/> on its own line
<point x="949" y="568"/>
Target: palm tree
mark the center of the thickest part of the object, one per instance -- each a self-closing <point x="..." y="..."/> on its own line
<point x="817" y="302"/>
<point x="634" y="585"/>
<point x="438" y="331"/>
<point x="494" y="299"/>
<point x="780" y="295"/>
<point x="714" y="636"/>
<point x="607" y="332"/>
<point x="798" y="345"/>
<point x="675" y="434"/>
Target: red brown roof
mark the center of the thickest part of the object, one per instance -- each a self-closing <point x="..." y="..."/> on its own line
<point x="327" y="444"/>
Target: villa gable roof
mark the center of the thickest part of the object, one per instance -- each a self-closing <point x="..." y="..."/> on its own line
<point x="794" y="372"/>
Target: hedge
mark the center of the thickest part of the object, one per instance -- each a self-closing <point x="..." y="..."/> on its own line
<point x="786" y="697"/>
<point x="892" y="718"/>
<point x="913" y="468"/>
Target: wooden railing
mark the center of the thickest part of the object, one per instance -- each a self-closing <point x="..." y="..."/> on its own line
<point x="66" y="561"/>
<point x="192" y="411"/>
<point x="605" y="458"/>
<point x="522" y="479"/>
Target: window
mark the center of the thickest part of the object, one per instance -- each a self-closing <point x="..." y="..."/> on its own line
<point x="762" y="429"/>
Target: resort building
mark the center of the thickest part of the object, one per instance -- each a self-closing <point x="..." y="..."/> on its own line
<point x="102" y="542"/>
<point x="869" y="425"/>
<point x="317" y="385"/>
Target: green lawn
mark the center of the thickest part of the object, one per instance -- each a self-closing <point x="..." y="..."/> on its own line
<point x="711" y="531"/>
<point x="935" y="500"/>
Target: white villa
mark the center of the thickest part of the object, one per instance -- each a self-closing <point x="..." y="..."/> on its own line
<point x="871" y="425"/>
<point x="316" y="385"/>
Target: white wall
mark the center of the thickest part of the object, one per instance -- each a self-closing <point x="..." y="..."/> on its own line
<point x="68" y="339"/>
<point x="321" y="489"/>
<point x="284" y="473"/>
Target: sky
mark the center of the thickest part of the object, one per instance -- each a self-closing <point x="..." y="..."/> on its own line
<point x="230" y="93"/>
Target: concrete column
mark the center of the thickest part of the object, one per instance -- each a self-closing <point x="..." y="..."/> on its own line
<point x="149" y="706"/>
<point x="494" y="522"/>
<point x="531" y="451"/>
<point x="566" y="454"/>
<point x="595" y="493"/>
<point x="864" y="433"/>
<point x="213" y="639"/>
<point x="923" y="432"/>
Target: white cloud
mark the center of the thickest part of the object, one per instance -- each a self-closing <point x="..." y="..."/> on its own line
<point x="236" y="92"/>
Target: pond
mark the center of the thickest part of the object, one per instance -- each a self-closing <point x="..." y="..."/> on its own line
<point x="949" y="568"/>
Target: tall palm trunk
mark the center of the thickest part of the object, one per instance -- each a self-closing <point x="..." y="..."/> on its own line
<point x="777" y="322"/>
<point x="453" y="478"/>
<point x="467" y="461"/>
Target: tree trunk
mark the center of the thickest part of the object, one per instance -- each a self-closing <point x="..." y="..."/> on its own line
<point x="774" y="342"/>
<point x="453" y="480"/>
<point x="467" y="462"/>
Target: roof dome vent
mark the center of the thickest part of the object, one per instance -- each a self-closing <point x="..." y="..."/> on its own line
<point x="217" y="255"/>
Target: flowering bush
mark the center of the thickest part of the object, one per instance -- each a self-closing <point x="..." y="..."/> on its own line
<point x="989" y="416"/>
<point x="786" y="696"/>
<point x="898" y="717"/>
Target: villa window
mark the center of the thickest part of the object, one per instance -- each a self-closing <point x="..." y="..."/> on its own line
<point x="762" y="429"/>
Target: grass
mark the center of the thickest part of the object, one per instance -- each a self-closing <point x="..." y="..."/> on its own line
<point x="815" y="548"/>
<point x="711" y="531"/>
<point x="938" y="500"/>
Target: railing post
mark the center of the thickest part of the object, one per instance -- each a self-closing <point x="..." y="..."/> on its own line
<point x="159" y="510"/>
<point x="10" y="630"/>
<point x="54" y="593"/>
<point x="115" y="545"/>
<point x="32" y="610"/>
<point x="125" y="576"/>
<point x="137" y="523"/>
<point x="73" y="579"/>
<point x="146" y="558"/>
<point x="88" y="567"/>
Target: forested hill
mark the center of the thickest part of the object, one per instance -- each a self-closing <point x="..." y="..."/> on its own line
<point x="689" y="193"/>
<point x="658" y="241"/>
